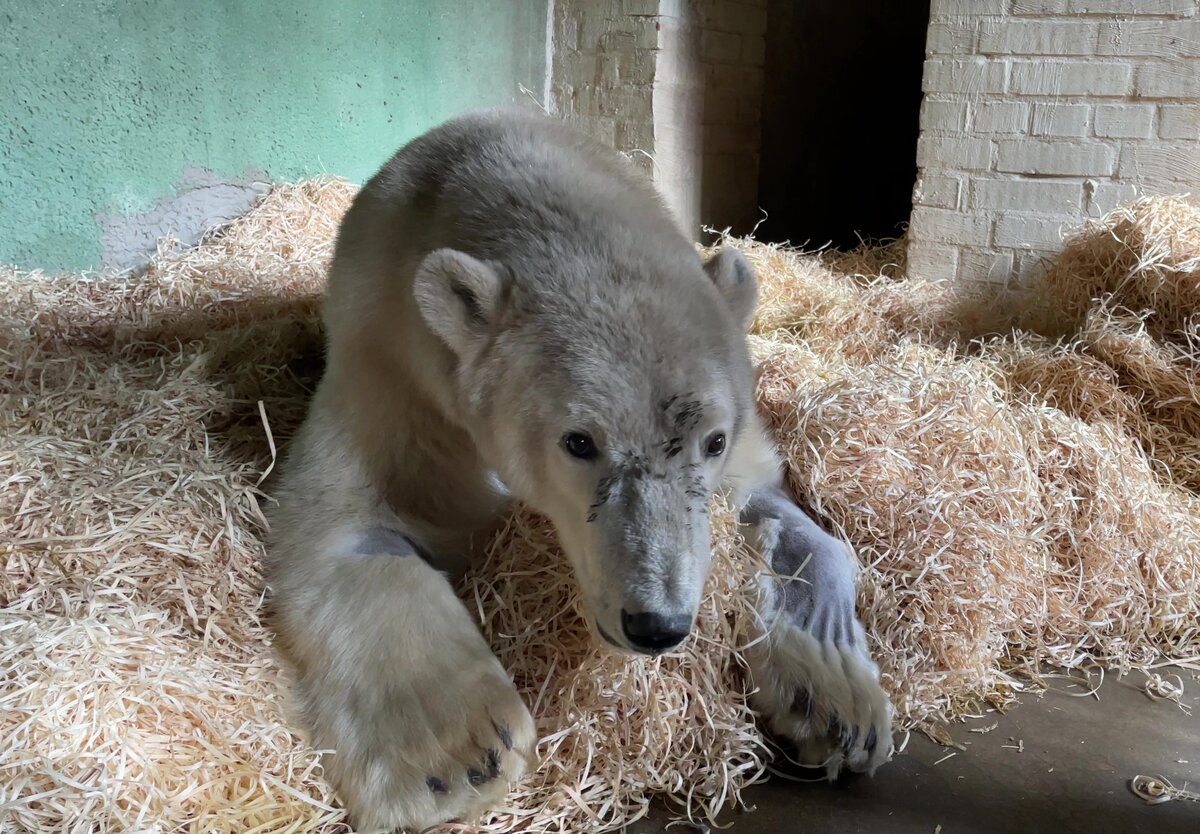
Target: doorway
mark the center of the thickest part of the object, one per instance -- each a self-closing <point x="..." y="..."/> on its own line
<point x="840" y="119"/>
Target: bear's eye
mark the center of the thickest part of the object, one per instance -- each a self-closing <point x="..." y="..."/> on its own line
<point x="580" y="445"/>
<point x="715" y="444"/>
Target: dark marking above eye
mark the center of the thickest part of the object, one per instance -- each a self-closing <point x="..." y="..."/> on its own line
<point x="635" y="465"/>
<point x="688" y="414"/>
<point x="672" y="447"/>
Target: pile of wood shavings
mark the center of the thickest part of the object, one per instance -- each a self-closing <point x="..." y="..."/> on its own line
<point x="137" y="691"/>
<point x="1013" y="501"/>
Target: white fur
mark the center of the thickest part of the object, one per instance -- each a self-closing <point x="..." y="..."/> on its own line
<point x="501" y="283"/>
<point x="839" y="679"/>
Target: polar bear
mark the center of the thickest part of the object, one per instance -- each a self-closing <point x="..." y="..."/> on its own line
<point x="512" y="313"/>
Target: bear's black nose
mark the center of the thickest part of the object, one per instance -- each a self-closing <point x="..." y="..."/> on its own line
<point x="653" y="633"/>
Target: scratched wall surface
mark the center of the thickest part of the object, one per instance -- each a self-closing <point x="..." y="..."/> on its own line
<point x="125" y="119"/>
<point x="1040" y="113"/>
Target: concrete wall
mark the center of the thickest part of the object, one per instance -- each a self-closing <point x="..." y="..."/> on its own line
<point x="125" y="119"/>
<point x="1039" y="113"/>
<point x="677" y="86"/>
<point x="679" y="109"/>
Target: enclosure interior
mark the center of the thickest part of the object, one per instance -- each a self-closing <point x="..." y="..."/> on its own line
<point x="841" y="102"/>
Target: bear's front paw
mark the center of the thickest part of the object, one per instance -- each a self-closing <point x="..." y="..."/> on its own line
<point x="816" y="683"/>
<point x="442" y="745"/>
<point x="824" y="696"/>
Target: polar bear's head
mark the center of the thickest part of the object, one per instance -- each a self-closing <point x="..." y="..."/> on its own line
<point x="615" y="399"/>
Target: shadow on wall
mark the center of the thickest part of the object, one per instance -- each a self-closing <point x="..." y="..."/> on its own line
<point x="840" y="119"/>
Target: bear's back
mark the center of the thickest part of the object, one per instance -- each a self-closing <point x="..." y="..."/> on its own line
<point x="508" y="185"/>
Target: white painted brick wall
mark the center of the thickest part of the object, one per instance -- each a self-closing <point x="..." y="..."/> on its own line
<point x="937" y="191"/>
<point x="967" y="76"/>
<point x="676" y="85"/>
<point x="949" y="226"/>
<point x="1040" y="37"/>
<point x="1161" y="164"/>
<point x="935" y="261"/>
<point x="1071" y="78"/>
<point x="1040" y="113"/>
<point x="986" y="264"/>
<point x="1041" y="158"/>
<point x="1168" y="8"/>
<point x="1179" y="121"/>
<point x="1015" y="195"/>
<point x="1125" y="121"/>
<point x="999" y="117"/>
<point x="1038" y="7"/>
<point x="1061" y="119"/>
<point x="941" y="116"/>
<point x="961" y="154"/>
<point x="941" y="9"/>
<point x="603" y="60"/>
<point x="1168" y="79"/>
<point x="1099" y="198"/>
<point x="954" y="38"/>
<point x="1022" y="230"/>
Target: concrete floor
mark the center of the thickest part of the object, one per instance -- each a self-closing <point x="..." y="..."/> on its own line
<point x="1072" y="775"/>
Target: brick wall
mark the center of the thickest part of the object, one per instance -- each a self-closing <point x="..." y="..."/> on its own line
<point x="1038" y="113"/>
<point x="674" y="84"/>
<point x="604" y="56"/>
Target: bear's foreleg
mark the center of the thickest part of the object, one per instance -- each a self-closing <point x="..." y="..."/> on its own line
<point x="816" y="684"/>
<point x="393" y="676"/>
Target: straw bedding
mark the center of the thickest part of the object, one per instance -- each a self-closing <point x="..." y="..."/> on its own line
<point x="1017" y="499"/>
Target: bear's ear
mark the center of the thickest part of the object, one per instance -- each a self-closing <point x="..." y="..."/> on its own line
<point x="734" y="279"/>
<point x="457" y="296"/>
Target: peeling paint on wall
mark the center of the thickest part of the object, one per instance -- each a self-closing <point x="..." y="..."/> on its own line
<point x="204" y="199"/>
<point x="105" y="104"/>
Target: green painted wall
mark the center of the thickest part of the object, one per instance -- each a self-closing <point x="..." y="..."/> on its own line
<point x="104" y="104"/>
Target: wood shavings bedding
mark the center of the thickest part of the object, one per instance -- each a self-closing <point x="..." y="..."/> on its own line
<point x="1014" y="499"/>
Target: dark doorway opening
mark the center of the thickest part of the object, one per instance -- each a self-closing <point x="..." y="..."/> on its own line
<point x="840" y="117"/>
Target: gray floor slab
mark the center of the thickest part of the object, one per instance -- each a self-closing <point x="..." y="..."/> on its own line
<point x="1070" y="774"/>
